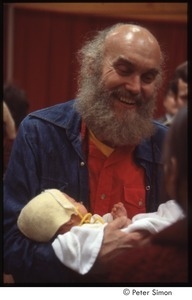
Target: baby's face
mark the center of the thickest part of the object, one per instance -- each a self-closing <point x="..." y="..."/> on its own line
<point x="75" y="219"/>
<point x="80" y="207"/>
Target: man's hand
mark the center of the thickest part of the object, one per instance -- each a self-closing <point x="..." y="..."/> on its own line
<point x="115" y="239"/>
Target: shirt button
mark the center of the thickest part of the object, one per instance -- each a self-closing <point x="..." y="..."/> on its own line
<point x="140" y="202"/>
<point x="82" y="163"/>
<point x="148" y="187"/>
<point x="103" y="196"/>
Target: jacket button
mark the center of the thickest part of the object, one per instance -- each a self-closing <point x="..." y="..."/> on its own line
<point x="82" y="163"/>
<point x="103" y="196"/>
<point x="148" y="187"/>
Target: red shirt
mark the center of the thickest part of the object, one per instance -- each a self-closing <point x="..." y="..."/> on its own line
<point x="114" y="177"/>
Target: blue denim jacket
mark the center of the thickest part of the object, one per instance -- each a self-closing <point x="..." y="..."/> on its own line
<point x="47" y="153"/>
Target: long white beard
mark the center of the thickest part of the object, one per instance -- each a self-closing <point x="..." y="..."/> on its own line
<point x="95" y="107"/>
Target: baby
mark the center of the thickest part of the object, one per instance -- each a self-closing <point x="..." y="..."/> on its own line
<point x="75" y="234"/>
<point x="53" y="212"/>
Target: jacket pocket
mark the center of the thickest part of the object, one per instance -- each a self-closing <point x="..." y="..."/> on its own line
<point x="134" y="200"/>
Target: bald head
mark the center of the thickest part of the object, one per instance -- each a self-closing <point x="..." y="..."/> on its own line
<point x="130" y="31"/>
<point x="126" y="36"/>
<point x="135" y="38"/>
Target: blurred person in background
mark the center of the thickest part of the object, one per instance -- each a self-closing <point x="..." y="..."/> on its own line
<point x="176" y="96"/>
<point x="16" y="105"/>
<point x="9" y="134"/>
<point x="169" y="104"/>
<point x="181" y="76"/>
<point x="17" y="102"/>
<point x="15" y="108"/>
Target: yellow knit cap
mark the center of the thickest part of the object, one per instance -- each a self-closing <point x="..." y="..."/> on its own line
<point x="40" y="219"/>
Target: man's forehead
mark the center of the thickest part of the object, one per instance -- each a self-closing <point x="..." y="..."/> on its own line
<point x="134" y="61"/>
<point x="128" y="44"/>
<point x="131" y="63"/>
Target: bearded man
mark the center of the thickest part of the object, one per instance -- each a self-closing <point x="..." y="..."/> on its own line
<point x="99" y="149"/>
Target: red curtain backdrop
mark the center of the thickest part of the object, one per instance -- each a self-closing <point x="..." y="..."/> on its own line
<point x="45" y="46"/>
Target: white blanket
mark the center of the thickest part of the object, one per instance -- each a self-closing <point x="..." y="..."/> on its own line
<point x="167" y="213"/>
<point x="78" y="248"/>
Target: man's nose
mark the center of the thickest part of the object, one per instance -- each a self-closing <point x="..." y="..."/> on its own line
<point x="133" y="84"/>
